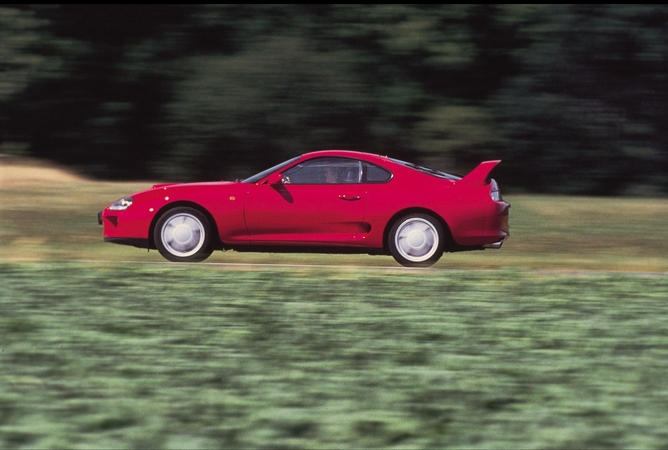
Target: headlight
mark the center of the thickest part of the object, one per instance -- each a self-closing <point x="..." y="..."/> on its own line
<point x="122" y="204"/>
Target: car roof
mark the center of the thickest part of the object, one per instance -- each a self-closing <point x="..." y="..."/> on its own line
<point x="343" y="154"/>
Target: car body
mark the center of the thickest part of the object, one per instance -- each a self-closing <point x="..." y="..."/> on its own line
<point x="333" y="201"/>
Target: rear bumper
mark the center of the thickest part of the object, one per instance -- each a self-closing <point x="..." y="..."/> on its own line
<point x="495" y="245"/>
<point x="497" y="227"/>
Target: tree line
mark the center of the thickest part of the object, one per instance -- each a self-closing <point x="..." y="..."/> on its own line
<point x="571" y="97"/>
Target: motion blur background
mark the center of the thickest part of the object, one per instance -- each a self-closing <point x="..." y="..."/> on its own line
<point x="558" y="340"/>
<point x="572" y="98"/>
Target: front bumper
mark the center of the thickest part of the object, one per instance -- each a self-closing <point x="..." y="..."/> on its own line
<point x="134" y="242"/>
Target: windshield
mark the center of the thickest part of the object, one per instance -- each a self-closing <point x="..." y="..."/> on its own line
<point x="436" y="173"/>
<point x="261" y="175"/>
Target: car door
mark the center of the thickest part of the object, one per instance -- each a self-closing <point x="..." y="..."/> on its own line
<point x="320" y="202"/>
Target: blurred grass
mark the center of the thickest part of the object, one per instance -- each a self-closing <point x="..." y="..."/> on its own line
<point x="99" y="350"/>
<point x="108" y="355"/>
<point x="57" y="221"/>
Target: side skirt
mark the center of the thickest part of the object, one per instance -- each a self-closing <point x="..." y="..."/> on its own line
<point x="305" y="249"/>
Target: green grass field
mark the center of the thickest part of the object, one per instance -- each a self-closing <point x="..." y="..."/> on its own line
<point x="557" y="340"/>
<point x="176" y="356"/>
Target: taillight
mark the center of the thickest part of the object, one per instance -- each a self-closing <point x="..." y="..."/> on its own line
<point x="494" y="191"/>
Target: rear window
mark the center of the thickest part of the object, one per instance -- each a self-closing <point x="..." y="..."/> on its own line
<point x="428" y="171"/>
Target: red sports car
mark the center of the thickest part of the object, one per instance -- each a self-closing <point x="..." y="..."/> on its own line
<point x="330" y="201"/>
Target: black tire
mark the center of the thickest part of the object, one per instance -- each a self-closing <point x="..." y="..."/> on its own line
<point x="183" y="234"/>
<point x="416" y="240"/>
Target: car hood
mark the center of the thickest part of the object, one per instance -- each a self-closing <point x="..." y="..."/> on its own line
<point x="179" y="188"/>
<point x="207" y="183"/>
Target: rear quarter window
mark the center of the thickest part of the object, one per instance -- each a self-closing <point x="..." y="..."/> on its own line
<point x="375" y="174"/>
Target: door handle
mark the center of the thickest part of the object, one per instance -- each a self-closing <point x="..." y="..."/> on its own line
<point x="350" y="198"/>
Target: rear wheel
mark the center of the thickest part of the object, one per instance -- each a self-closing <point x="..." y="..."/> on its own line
<point x="416" y="240"/>
<point x="183" y="235"/>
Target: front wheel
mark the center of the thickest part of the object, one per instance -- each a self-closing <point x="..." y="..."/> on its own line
<point x="416" y="240"/>
<point x="183" y="235"/>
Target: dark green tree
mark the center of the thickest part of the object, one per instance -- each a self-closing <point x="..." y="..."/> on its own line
<point x="570" y="97"/>
<point x="586" y="114"/>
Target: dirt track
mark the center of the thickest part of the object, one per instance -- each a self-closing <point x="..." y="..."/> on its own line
<point x="19" y="170"/>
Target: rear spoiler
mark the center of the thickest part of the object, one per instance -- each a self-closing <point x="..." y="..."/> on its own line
<point x="480" y="175"/>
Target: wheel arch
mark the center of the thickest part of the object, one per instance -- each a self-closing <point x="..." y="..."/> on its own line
<point x="217" y="243"/>
<point x="449" y="241"/>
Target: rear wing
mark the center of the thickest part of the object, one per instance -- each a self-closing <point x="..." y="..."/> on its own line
<point x="480" y="175"/>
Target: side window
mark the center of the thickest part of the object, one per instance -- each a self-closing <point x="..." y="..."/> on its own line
<point x="325" y="171"/>
<point x="375" y="174"/>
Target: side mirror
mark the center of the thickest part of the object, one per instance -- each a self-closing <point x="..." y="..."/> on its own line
<point x="275" y="179"/>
